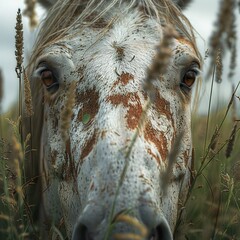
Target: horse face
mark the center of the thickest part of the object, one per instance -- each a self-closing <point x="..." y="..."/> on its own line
<point x="93" y="102"/>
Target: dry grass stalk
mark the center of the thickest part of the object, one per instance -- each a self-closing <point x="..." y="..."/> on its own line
<point x="225" y="32"/>
<point x="30" y="11"/>
<point x="66" y="114"/>
<point x="19" y="43"/>
<point x="233" y="61"/>
<point x="19" y="59"/>
<point x="27" y="95"/>
<point x="133" y="222"/>
<point x="18" y="188"/>
<point x="231" y="141"/>
<point x="234" y="106"/>
<point x="219" y="66"/>
<point x="1" y="89"/>
<point x="161" y="60"/>
<point x="214" y="140"/>
<point x="17" y="147"/>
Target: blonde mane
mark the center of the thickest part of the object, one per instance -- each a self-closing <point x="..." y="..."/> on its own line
<point x="66" y="14"/>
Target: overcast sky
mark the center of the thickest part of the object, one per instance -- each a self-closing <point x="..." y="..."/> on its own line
<point x="201" y="13"/>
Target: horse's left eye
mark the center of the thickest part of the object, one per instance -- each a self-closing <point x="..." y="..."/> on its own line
<point x="49" y="80"/>
<point x="189" y="79"/>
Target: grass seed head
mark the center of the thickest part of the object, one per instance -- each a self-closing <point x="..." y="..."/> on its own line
<point x="219" y="66"/>
<point x="30" y="11"/>
<point x="231" y="141"/>
<point x="224" y="26"/>
<point x="19" y="41"/>
<point x="161" y="60"/>
<point x="66" y="113"/>
<point x="27" y="95"/>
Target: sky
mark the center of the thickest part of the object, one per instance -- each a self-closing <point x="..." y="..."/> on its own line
<point x="201" y="13"/>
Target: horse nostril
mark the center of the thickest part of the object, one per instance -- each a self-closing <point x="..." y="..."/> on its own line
<point x="81" y="233"/>
<point x="162" y="232"/>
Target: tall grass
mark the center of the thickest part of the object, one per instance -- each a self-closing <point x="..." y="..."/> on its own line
<point x="212" y="208"/>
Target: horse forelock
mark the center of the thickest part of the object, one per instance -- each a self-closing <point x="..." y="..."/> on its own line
<point x="66" y="14"/>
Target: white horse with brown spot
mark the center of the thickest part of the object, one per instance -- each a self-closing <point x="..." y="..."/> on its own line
<point x="89" y="66"/>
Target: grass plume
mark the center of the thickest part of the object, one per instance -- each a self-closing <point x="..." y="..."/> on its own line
<point x="224" y="35"/>
<point x="27" y="95"/>
<point x="160" y="61"/>
<point x="231" y="141"/>
<point x="30" y="11"/>
<point x="19" y="61"/>
<point x="66" y="113"/>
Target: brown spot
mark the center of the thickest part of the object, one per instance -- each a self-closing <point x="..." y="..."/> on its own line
<point x="158" y="138"/>
<point x="162" y="106"/>
<point x="124" y="79"/>
<point x="153" y="155"/>
<point x="89" y="99"/>
<point x="133" y="103"/>
<point x="88" y="146"/>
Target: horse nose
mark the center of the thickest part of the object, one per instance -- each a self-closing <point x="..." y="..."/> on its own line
<point x="81" y="233"/>
<point x="88" y="222"/>
<point x="156" y="223"/>
<point x="160" y="232"/>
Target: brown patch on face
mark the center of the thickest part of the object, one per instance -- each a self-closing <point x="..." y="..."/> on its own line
<point x="163" y="107"/>
<point x="184" y="41"/>
<point x="89" y="99"/>
<point x="88" y="146"/>
<point x="133" y="103"/>
<point x="158" y="138"/>
<point x="124" y="79"/>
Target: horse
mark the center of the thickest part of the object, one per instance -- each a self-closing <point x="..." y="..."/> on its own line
<point x="103" y="144"/>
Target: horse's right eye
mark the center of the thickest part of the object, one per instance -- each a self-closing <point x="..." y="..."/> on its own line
<point x="49" y="80"/>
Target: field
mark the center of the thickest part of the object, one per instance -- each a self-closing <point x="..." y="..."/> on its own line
<point x="212" y="209"/>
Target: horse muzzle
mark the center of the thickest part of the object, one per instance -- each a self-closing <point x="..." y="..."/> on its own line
<point x="148" y="225"/>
